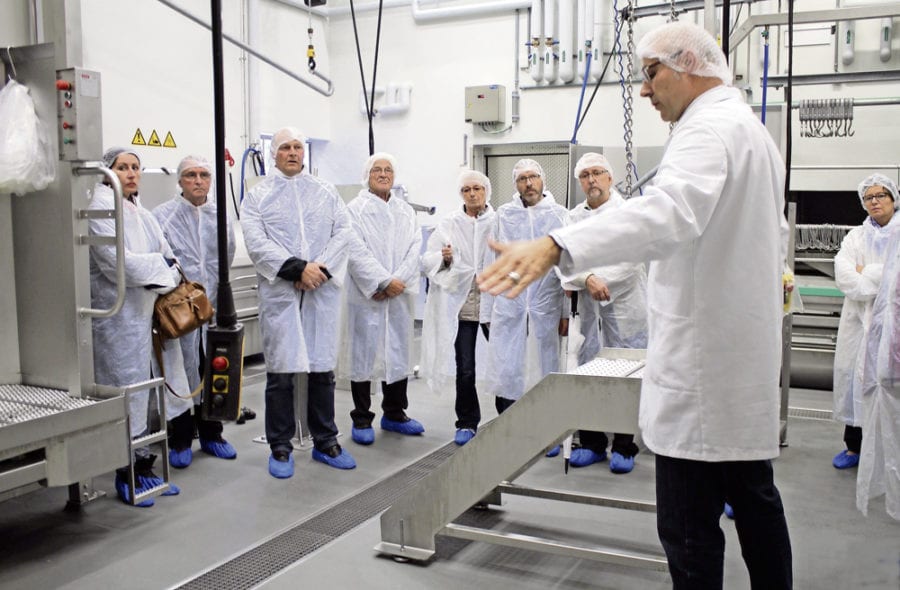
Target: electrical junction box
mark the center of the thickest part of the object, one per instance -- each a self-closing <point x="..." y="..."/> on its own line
<point x="486" y="104"/>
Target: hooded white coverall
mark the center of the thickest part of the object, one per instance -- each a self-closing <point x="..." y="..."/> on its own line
<point x="377" y="334"/>
<point x="449" y="288"/>
<point x="863" y="246"/>
<point x="302" y="217"/>
<point x="192" y="233"/>
<point x="879" y="462"/>
<point x="123" y="348"/>
<point x="531" y="320"/>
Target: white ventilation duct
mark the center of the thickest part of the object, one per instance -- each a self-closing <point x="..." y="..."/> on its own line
<point x="551" y="35"/>
<point x="534" y="53"/>
<point x="567" y="59"/>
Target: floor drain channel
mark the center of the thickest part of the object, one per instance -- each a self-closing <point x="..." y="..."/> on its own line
<point x="265" y="560"/>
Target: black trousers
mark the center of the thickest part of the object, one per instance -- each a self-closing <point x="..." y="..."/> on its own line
<point x="393" y="403"/>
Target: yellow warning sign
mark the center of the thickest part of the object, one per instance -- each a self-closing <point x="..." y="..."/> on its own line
<point x="138" y="138"/>
<point x="170" y="141"/>
<point x="154" y="139"/>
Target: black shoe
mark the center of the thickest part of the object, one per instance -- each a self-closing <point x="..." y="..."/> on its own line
<point x="281" y="455"/>
<point x="246" y="414"/>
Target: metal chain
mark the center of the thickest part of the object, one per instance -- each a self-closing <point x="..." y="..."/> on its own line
<point x="629" y="100"/>
<point x="673" y="14"/>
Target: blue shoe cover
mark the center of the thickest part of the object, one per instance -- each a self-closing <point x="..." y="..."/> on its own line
<point x="281" y="469"/>
<point x="583" y="457"/>
<point x="844" y="460"/>
<point x="342" y="461"/>
<point x="152" y="481"/>
<point x="362" y="436"/>
<point x="620" y="464"/>
<point x="218" y="448"/>
<point x="125" y="496"/>
<point x="410" y="427"/>
<point x="729" y="511"/>
<point x="554" y="451"/>
<point x="463" y="435"/>
<point x="180" y="459"/>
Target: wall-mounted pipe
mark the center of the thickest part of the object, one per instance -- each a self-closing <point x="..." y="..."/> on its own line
<point x="566" y="40"/>
<point x="536" y="66"/>
<point x="603" y="13"/>
<point x="325" y="92"/>
<point x="396" y="99"/>
<point x="481" y="9"/>
<point x="551" y="36"/>
<point x="885" y="33"/>
<point x="848" y="41"/>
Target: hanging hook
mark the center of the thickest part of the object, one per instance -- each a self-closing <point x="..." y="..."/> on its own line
<point x="11" y="64"/>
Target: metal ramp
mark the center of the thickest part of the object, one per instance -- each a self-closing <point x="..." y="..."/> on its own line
<point x="601" y="395"/>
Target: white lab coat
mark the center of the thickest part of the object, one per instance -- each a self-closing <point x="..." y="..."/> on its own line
<point x="298" y="216"/>
<point x="377" y="334"/>
<point x="525" y="343"/>
<point x="624" y="316"/>
<point x="123" y="348"/>
<point x="448" y="290"/>
<point x="879" y="462"/>
<point x="193" y="235"/>
<point x="712" y="221"/>
<point x="864" y="246"/>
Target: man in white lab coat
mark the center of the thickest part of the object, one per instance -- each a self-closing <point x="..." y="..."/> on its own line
<point x="612" y="307"/>
<point x="712" y="223"/>
<point x="297" y="232"/>
<point x="190" y="223"/>
<point x="526" y="330"/>
<point x="381" y="296"/>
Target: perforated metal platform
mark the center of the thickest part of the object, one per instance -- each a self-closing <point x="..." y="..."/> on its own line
<point x="607" y="367"/>
<point x="21" y="403"/>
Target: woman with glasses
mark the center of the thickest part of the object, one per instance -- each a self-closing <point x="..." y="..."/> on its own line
<point x="857" y="272"/>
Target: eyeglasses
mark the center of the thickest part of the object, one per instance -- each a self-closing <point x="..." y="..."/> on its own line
<point x="193" y="175"/>
<point x="529" y="178"/>
<point x="592" y="174"/>
<point x="378" y="171"/>
<point x="645" y="71"/>
<point x="470" y="189"/>
<point x="878" y="196"/>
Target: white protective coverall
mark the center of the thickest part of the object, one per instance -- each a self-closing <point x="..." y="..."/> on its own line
<point x="712" y="222"/>
<point x="448" y="291"/>
<point x="377" y="334"/>
<point x="879" y="462"/>
<point x="298" y="216"/>
<point x="529" y="324"/>
<point x="863" y="246"/>
<point x="192" y="233"/>
<point x="625" y="314"/>
<point x="123" y="346"/>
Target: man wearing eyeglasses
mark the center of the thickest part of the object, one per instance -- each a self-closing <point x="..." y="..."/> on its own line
<point x="189" y="222"/>
<point x="612" y="307"/>
<point x="857" y="273"/>
<point x="381" y="296"/>
<point x="712" y="225"/>
<point x="536" y="318"/>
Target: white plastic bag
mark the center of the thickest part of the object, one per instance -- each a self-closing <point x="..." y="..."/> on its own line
<point x="27" y="162"/>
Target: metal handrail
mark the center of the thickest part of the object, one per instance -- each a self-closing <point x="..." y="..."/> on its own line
<point x="95" y="168"/>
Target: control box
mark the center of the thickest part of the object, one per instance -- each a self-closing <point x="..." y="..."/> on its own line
<point x="224" y="369"/>
<point x="78" y="115"/>
<point x="486" y="104"/>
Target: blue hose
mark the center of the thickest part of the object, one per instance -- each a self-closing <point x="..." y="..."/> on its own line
<point x="587" y="74"/>
<point x="247" y="152"/>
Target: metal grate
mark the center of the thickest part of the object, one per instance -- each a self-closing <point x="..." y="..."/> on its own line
<point x="604" y="367"/>
<point x="810" y="413"/>
<point x="21" y="403"/>
<point x="270" y="557"/>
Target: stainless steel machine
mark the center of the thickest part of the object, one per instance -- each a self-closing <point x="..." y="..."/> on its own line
<point x="57" y="427"/>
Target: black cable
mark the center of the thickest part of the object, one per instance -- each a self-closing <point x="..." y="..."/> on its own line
<point x="237" y="210"/>
<point x="374" y="72"/>
<point x="584" y="113"/>
<point x="726" y="26"/>
<point x="788" y="100"/>
<point x="362" y="75"/>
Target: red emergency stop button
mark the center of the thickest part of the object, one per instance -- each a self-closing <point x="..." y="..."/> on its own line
<point x="220" y="363"/>
<point x="63" y="85"/>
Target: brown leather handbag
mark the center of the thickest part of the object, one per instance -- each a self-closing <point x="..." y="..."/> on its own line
<point x="182" y="310"/>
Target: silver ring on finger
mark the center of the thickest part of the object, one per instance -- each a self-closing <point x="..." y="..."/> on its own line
<point x="514" y="277"/>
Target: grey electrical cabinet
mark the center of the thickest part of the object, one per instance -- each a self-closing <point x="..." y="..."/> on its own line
<point x="486" y="104"/>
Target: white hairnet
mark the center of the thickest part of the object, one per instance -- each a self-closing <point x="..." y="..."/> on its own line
<point x="367" y="167"/>
<point x="686" y="47"/>
<point x="194" y="162"/>
<point x="590" y="160"/>
<point x="285" y="135"/>
<point x="878" y="180"/>
<point x="473" y="176"/>
<point x="110" y="155"/>
<point x="526" y="164"/>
